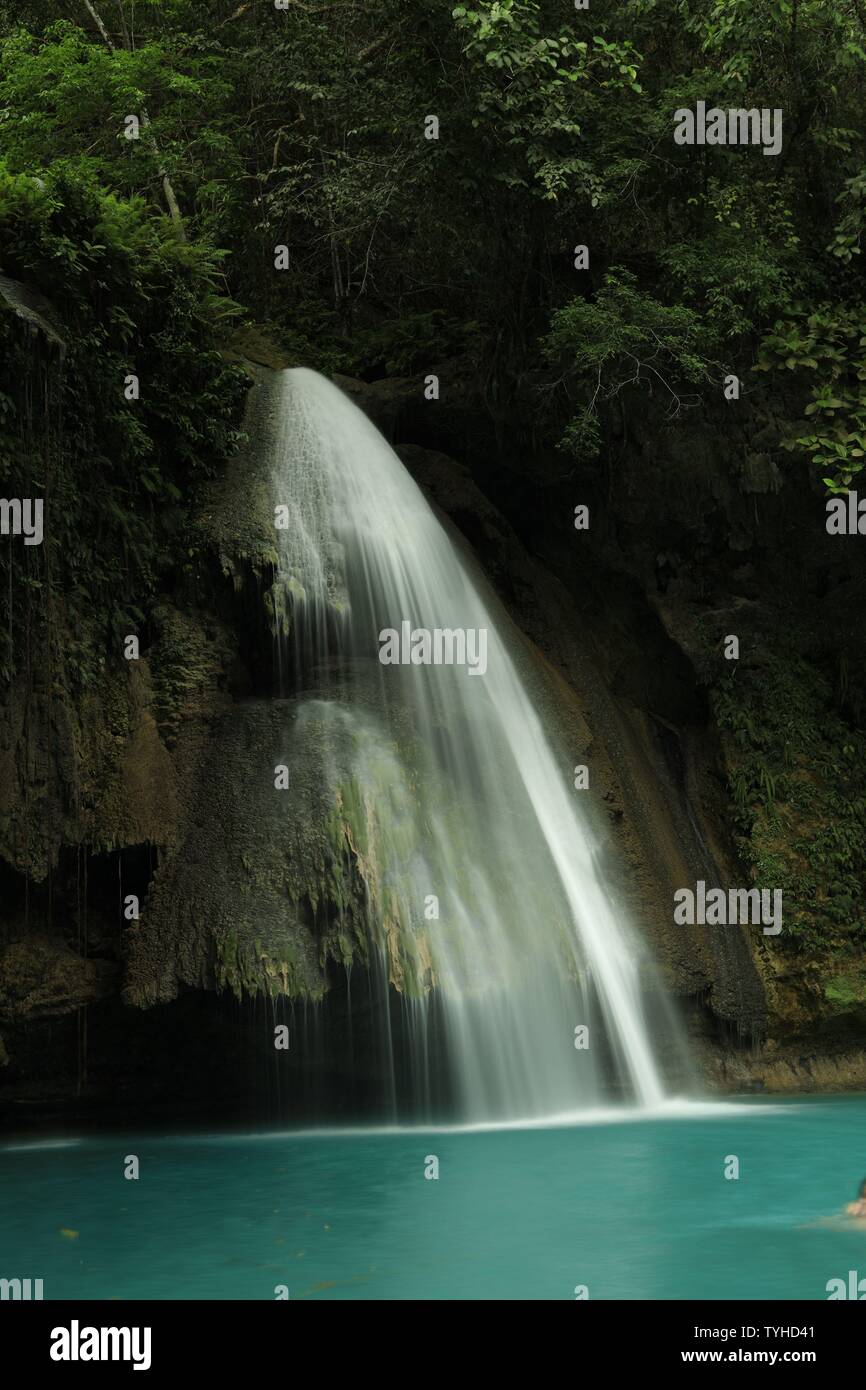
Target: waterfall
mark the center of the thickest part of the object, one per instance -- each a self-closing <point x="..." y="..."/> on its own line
<point x="482" y="867"/>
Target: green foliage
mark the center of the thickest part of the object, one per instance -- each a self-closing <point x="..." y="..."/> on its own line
<point x="797" y="778"/>
<point x="117" y="475"/>
<point x="624" y="338"/>
<point x="829" y="346"/>
<point x="530" y="80"/>
<point x="847" y="989"/>
<point x="742" y="265"/>
<point x="306" y="128"/>
<point x="66" y="96"/>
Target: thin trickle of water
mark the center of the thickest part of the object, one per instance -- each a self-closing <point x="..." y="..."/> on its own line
<point x="483" y="873"/>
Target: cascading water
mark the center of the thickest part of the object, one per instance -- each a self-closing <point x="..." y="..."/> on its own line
<point x="481" y="869"/>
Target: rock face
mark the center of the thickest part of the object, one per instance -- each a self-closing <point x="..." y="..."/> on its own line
<point x="34" y="309"/>
<point x="267" y="885"/>
<point x="41" y="979"/>
<point x="151" y="787"/>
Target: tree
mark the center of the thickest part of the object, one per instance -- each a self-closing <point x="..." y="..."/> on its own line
<point x="168" y="190"/>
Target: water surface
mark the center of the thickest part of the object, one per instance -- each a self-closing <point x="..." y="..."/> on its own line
<point x="634" y="1209"/>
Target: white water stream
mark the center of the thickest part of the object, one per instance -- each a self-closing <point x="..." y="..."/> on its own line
<point x="480" y="814"/>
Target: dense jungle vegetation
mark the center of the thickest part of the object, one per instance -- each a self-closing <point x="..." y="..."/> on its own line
<point x="304" y="125"/>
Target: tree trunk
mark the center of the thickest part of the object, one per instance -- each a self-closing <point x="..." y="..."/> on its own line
<point x="168" y="190"/>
